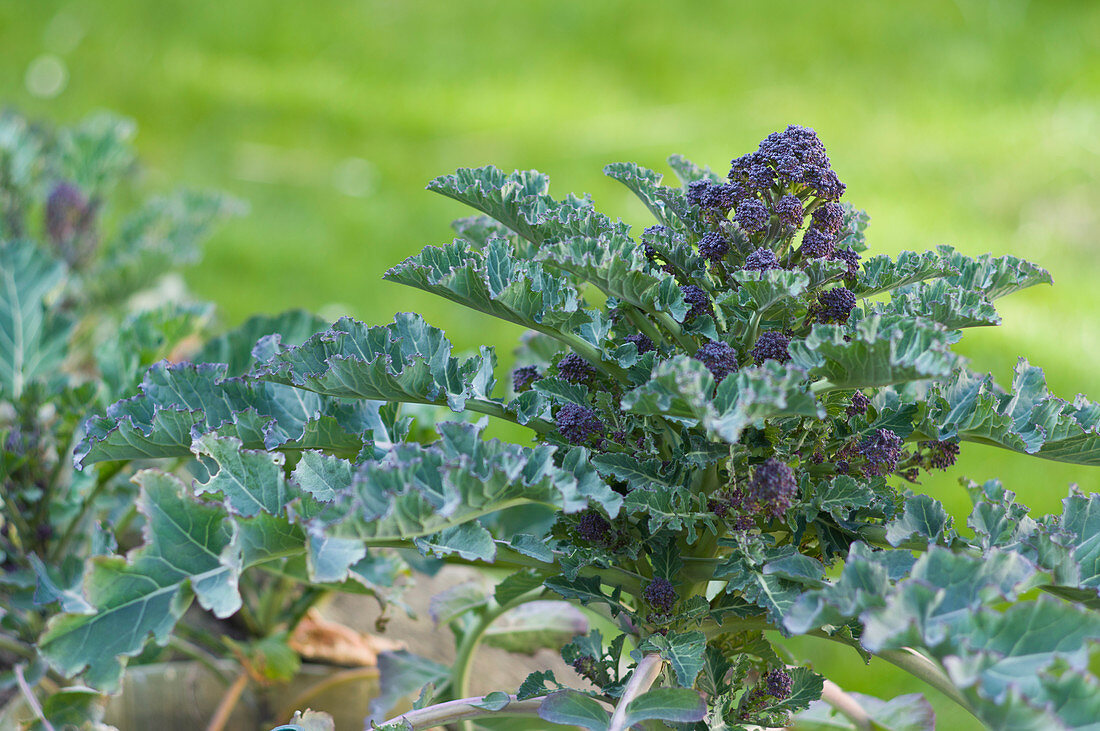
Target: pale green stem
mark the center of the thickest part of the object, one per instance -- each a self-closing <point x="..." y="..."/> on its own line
<point x="645" y="674"/>
<point x="644" y="325"/>
<point x="930" y="672"/>
<point x="463" y="710"/>
<point x="846" y="705"/>
<point x="665" y="320"/>
<point x="492" y="408"/>
<point x="28" y="696"/>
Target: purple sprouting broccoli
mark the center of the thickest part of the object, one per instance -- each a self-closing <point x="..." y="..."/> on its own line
<point x="793" y="157"/>
<point x="849" y="257"/>
<point x="829" y="217"/>
<point x="68" y="213"/>
<point x="882" y="450"/>
<point x="575" y="369"/>
<point x="816" y="244"/>
<point x="697" y="300"/>
<point x="761" y="260"/>
<point x="591" y="526"/>
<point x="941" y="454"/>
<point x="842" y="467"/>
<point x="743" y="523"/>
<point x="771" y="345"/>
<point x="647" y="247"/>
<point x="751" y="215"/>
<point x="713" y="246"/>
<point x="641" y="342"/>
<point x="789" y="211"/>
<point x="778" y="684"/>
<point x="858" y="405"/>
<point x="719" y="358"/>
<point x="577" y="423"/>
<point x="834" y="305"/>
<point x="723" y="501"/>
<point x="587" y="667"/>
<point x="523" y="377"/>
<point x="698" y="193"/>
<point x="772" y="488"/>
<point x="660" y="594"/>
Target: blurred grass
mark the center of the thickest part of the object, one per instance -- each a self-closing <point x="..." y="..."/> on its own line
<point x="972" y="123"/>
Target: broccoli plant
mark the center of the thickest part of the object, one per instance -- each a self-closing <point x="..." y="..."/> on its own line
<point x="730" y="413"/>
<point x="84" y="311"/>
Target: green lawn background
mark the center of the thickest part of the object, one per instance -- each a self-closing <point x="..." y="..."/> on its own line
<point x="974" y="123"/>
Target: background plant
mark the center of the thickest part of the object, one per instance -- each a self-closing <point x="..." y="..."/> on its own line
<point x="89" y="298"/>
<point x="726" y="412"/>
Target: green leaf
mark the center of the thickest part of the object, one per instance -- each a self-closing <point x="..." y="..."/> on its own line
<point x="191" y="552"/>
<point x="309" y="721"/>
<point x="163" y="235"/>
<point x="516" y="585"/>
<point x="689" y="172"/>
<point x="248" y="482"/>
<point x="666" y="204"/>
<point x="521" y="202"/>
<point x="180" y="401"/>
<point x="881" y="274"/>
<point x="494" y="701"/>
<point x="910" y="712"/>
<point x="677" y="705"/>
<point x="853" y="229"/>
<point x="923" y="518"/>
<point x="618" y="267"/>
<point x="770" y="294"/>
<point x="1026" y="419"/>
<point x="493" y="281"/>
<point x="570" y="708"/>
<point x="993" y="276"/>
<point x="881" y="351"/>
<point x="536" y="625"/>
<point x="943" y="302"/>
<point x="683" y="650"/>
<point x="32" y="338"/>
<point x="750" y="396"/>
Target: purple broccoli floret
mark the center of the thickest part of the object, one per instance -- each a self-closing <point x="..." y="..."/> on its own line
<point x="661" y="595"/>
<point x="698" y="302"/>
<point x="577" y="423"/>
<point x="835" y="305"/>
<point x="641" y="342"/>
<point x="575" y="369"/>
<point x="778" y="684"/>
<point x="882" y="450"/>
<point x="713" y="246"/>
<point x="816" y="244"/>
<point x="751" y="215"/>
<point x="591" y="526"/>
<point x="523" y="377"/>
<point x="719" y="358"/>
<point x="829" y="217"/>
<point x="771" y="345"/>
<point x="698" y="193"/>
<point x="789" y="211"/>
<point x="849" y="257"/>
<point x="67" y="213"/>
<point x="772" y="488"/>
<point x="761" y="260"/>
<point x="941" y="455"/>
<point x="798" y="158"/>
<point x="858" y="405"/>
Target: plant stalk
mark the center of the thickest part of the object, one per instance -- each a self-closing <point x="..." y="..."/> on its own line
<point x="228" y="703"/>
<point x="645" y="674"/>
<point x="846" y="706"/>
<point x="28" y="696"/>
<point x="463" y="709"/>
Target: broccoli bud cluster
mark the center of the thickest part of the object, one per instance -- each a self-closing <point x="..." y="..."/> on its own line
<point x="761" y="260"/>
<point x="697" y="300"/>
<point x="772" y="488"/>
<point x="575" y="369"/>
<point x="661" y="595"/>
<point x="771" y="345"/>
<point x="641" y="342"/>
<point x="882" y="450"/>
<point x="577" y="423"/>
<point x="523" y="377"/>
<point x="719" y="358"/>
<point x="834" y="305"/>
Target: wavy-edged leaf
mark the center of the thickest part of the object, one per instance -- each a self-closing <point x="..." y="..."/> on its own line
<point x="767" y="391"/>
<point x="677" y="705"/>
<point x="618" y="267"/>
<point x="773" y="295"/>
<point x="993" y="276"/>
<point x="667" y="205"/>
<point x="943" y="302"/>
<point x="683" y="651"/>
<point x="572" y="708"/>
<point x="1026" y="419"/>
<point x="191" y="551"/>
<point x="879" y="352"/>
<point x="910" y="712"/>
<point x="881" y="274"/>
<point x="179" y="402"/>
<point x="521" y="201"/>
<point x="853" y="230"/>
<point x="689" y="172"/>
<point x="493" y="281"/>
<point x="32" y="339"/>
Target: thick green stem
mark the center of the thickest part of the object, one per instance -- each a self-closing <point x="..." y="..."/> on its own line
<point x="463" y="709"/>
<point x="846" y="706"/>
<point x="28" y="696"/>
<point x="645" y="674"/>
<point x="665" y="320"/>
<point x="640" y="321"/>
<point x="16" y="647"/>
<point x="460" y="671"/>
<point x="492" y="408"/>
<point x="930" y="672"/>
